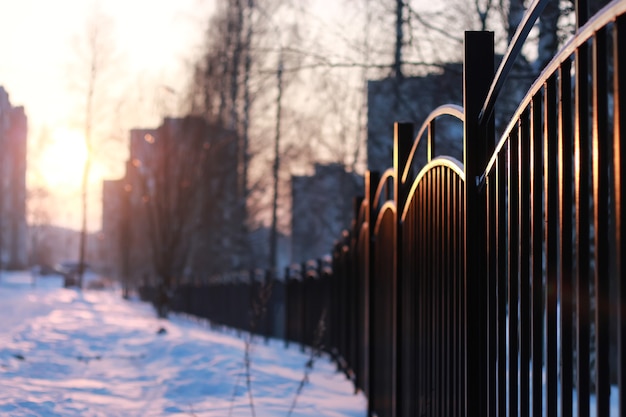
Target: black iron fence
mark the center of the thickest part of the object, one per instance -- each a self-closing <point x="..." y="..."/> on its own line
<point x="491" y="286"/>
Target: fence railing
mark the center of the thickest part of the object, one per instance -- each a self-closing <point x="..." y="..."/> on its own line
<point x="491" y="286"/>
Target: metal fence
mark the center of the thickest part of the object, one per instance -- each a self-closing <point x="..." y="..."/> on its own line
<point x="492" y="286"/>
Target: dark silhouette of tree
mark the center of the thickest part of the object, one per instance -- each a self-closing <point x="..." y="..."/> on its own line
<point x="184" y="175"/>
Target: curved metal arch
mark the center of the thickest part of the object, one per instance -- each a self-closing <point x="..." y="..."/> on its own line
<point x="363" y="232"/>
<point x="441" y="161"/>
<point x="605" y="16"/>
<point x="361" y="215"/>
<point x="519" y="38"/>
<point x="388" y="206"/>
<point x="362" y="237"/>
<point x="388" y="174"/>
<point x="444" y="110"/>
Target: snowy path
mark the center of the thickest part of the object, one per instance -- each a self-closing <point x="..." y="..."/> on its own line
<point x="63" y="353"/>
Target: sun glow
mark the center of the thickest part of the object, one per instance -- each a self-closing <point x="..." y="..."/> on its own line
<point x="63" y="158"/>
<point x="56" y="164"/>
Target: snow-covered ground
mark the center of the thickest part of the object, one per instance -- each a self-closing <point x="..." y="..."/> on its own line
<point x="67" y="353"/>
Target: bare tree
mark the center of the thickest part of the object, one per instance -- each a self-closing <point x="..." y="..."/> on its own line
<point x="95" y="54"/>
<point x="39" y="220"/>
<point x="222" y="93"/>
<point x="179" y="181"/>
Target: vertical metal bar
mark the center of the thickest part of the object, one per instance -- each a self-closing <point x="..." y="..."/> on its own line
<point x="619" y="169"/>
<point x="451" y="282"/>
<point x="403" y="141"/>
<point x="372" y="180"/>
<point x="435" y="282"/>
<point x="448" y="265"/>
<point x="405" y="334"/>
<point x="428" y="399"/>
<point x="492" y="299"/>
<point x="430" y="301"/>
<point x="513" y="266"/>
<point x="461" y="298"/>
<point x="358" y="260"/>
<point x="404" y="318"/>
<point x="288" y="307"/>
<point x="524" y="256"/>
<point x="416" y="293"/>
<point x="600" y="219"/>
<point x="444" y="285"/>
<point x="459" y="214"/>
<point x="501" y="278"/>
<point x="415" y="266"/>
<point x="419" y="277"/>
<point x="458" y="285"/>
<point x="565" y="227"/>
<point x="430" y="145"/>
<point x="438" y="281"/>
<point x="454" y="306"/>
<point x="478" y="74"/>
<point x="362" y="233"/>
<point x="423" y="295"/>
<point x="537" y="255"/>
<point x="392" y="302"/>
<point x="431" y="290"/>
<point x="436" y="294"/>
<point x="302" y="310"/>
<point x="551" y="232"/>
<point x="375" y="378"/>
<point x="440" y="288"/>
<point x="581" y="181"/>
<point x="433" y="302"/>
<point x="444" y="289"/>
<point x="454" y="342"/>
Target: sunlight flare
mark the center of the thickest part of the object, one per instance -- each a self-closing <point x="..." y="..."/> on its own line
<point x="63" y="158"/>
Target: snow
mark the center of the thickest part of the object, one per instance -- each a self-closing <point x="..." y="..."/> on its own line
<point x="91" y="353"/>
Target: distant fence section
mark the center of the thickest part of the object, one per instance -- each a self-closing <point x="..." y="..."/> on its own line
<point x="491" y="286"/>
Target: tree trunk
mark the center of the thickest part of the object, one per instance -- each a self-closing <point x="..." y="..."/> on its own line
<point x="397" y="62"/>
<point x="274" y="232"/>
<point x="548" y="35"/>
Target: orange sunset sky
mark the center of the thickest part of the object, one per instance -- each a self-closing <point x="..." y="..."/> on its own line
<point x="153" y="43"/>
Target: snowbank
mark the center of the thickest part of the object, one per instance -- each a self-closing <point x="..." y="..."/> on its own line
<point x="67" y="353"/>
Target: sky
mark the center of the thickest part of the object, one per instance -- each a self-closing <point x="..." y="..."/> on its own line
<point x="154" y="42"/>
<point x="69" y="353"/>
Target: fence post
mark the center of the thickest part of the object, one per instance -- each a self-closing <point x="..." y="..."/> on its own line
<point x="288" y="306"/>
<point x="477" y="77"/>
<point x="403" y="141"/>
<point x="619" y="168"/>
<point x="371" y="182"/>
<point x="372" y="178"/>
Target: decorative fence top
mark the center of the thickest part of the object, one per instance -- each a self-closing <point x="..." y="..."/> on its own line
<point x="491" y="286"/>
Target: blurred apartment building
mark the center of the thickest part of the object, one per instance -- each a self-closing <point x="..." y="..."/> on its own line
<point x="322" y="207"/>
<point x="181" y="180"/>
<point x="13" y="230"/>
